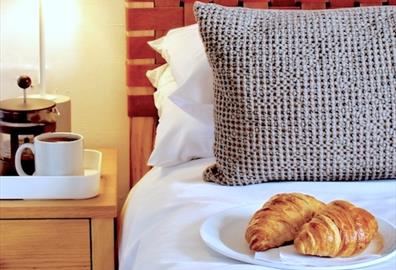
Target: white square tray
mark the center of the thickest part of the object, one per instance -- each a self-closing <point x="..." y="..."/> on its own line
<point x="56" y="187"/>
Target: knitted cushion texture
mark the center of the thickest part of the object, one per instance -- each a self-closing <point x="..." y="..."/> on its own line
<point x="301" y="95"/>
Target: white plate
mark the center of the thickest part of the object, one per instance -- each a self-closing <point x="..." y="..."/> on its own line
<point x="225" y="233"/>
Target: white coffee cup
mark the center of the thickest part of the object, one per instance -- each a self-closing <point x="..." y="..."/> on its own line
<point x="55" y="154"/>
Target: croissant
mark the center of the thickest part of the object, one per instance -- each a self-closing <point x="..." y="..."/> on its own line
<point x="340" y="229"/>
<point x="280" y="219"/>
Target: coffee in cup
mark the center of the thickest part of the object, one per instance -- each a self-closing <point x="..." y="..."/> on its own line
<point x="55" y="154"/>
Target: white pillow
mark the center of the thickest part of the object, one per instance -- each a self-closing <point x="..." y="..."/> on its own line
<point x="162" y="79"/>
<point x="195" y="97"/>
<point x="179" y="136"/>
<point x="183" y="49"/>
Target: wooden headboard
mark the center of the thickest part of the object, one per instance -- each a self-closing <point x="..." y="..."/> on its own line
<point x="150" y="19"/>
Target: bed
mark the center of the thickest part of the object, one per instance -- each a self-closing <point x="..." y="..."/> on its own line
<point x="166" y="208"/>
<point x="161" y="219"/>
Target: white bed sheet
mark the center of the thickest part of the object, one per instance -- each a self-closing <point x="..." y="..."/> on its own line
<point x="164" y="211"/>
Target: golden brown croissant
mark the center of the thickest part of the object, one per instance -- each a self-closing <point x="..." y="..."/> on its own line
<point x="280" y="219"/>
<point x="340" y="229"/>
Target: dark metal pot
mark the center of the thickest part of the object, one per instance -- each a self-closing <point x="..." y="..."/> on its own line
<point x="20" y="121"/>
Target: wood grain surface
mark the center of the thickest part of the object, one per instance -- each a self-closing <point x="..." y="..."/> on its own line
<point x="45" y="244"/>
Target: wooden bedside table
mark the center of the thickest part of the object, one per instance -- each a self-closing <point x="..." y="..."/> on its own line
<point x="64" y="234"/>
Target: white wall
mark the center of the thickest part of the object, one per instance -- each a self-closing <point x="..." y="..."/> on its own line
<point x="85" y="60"/>
<point x="18" y="44"/>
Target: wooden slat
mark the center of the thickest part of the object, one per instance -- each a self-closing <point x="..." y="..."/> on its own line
<point x="136" y="75"/>
<point x="142" y="133"/>
<point x="167" y="3"/>
<point x="189" y="17"/>
<point x="188" y="14"/>
<point x="137" y="47"/>
<point x="283" y="3"/>
<point x="365" y="3"/>
<point x="228" y="3"/>
<point x="159" y="60"/>
<point x="158" y="57"/>
<point x="138" y="91"/>
<point x="261" y="4"/>
<point x="140" y="33"/>
<point x="341" y="3"/>
<point x="313" y="4"/>
<point x="141" y="106"/>
<point x="160" y="33"/>
<point x="159" y="18"/>
<point x="285" y="8"/>
<point x="139" y="5"/>
<point x="146" y="61"/>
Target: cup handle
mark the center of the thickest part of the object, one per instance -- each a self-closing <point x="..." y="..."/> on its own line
<point x="18" y="156"/>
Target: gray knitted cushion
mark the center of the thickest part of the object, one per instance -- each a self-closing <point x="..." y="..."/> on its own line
<point x="302" y="95"/>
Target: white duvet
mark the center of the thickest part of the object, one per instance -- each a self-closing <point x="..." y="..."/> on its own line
<point x="164" y="211"/>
